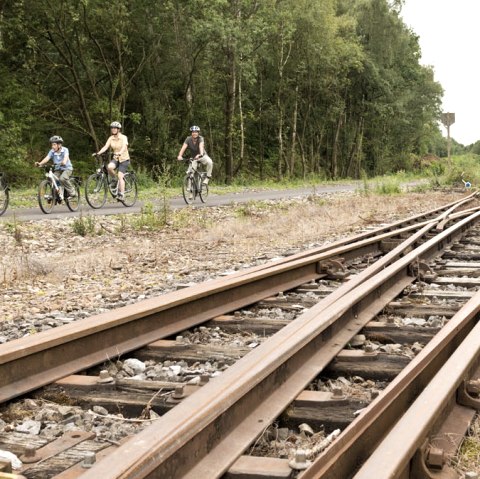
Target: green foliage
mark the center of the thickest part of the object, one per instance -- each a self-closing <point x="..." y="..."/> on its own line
<point x="150" y="219"/>
<point x="463" y="168"/>
<point x="15" y="229"/>
<point x="387" y="187"/>
<point x="84" y="225"/>
<point x="365" y="190"/>
<point x="281" y="89"/>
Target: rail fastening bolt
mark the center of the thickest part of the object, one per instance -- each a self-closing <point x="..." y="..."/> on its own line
<point x="337" y="393"/>
<point x="104" y="377"/>
<point x="29" y="451"/>
<point x="89" y="460"/>
<point x="299" y="462"/>
<point x="435" y="458"/>
<point x="179" y="393"/>
<point x="374" y="393"/>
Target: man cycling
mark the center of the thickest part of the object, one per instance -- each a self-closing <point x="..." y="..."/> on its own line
<point x="118" y="142"/>
<point x="63" y="168"/>
<point x="195" y="143"/>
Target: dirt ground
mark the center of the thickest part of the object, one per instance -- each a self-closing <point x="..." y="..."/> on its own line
<point x="91" y="263"/>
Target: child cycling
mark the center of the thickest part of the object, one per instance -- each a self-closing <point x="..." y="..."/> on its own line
<point x="62" y="168"/>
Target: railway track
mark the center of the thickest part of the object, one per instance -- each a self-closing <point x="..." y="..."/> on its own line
<point x="207" y="428"/>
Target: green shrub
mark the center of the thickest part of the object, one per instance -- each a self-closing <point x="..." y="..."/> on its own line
<point x="150" y="219"/>
<point x="387" y="187"/>
<point x="84" y="225"/>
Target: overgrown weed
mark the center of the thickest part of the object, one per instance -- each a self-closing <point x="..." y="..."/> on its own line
<point x="15" y="229"/>
<point x="84" y="225"/>
<point x="149" y="218"/>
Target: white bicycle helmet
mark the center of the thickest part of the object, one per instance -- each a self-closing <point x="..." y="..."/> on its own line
<point x="56" y="139"/>
<point x="116" y="124"/>
<point x="194" y="128"/>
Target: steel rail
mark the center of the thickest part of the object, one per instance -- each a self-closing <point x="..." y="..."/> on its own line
<point x="444" y="217"/>
<point x="31" y="362"/>
<point x="395" y="452"/>
<point x="361" y="437"/>
<point x="204" y="434"/>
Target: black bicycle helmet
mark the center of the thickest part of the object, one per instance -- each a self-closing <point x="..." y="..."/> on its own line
<point x="56" y="139"/>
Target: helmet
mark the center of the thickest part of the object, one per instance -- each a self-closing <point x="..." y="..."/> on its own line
<point x="56" y="139"/>
<point x="115" y="124"/>
<point x="194" y="128"/>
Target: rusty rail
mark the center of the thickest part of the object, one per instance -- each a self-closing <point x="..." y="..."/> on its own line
<point x="34" y="361"/>
<point x="203" y="435"/>
<point x="438" y="400"/>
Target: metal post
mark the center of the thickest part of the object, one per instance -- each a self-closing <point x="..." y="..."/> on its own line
<point x="449" y="146"/>
<point x="448" y="119"/>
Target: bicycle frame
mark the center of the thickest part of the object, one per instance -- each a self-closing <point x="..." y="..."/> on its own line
<point x="99" y="183"/>
<point x="4" y="196"/>
<point x="51" y="192"/>
<point x="54" y="180"/>
<point x="102" y="170"/>
<point x="193" y="183"/>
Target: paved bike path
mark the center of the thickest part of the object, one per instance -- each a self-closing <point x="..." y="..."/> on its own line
<point x="115" y="208"/>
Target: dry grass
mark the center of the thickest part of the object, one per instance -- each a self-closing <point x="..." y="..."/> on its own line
<point x="47" y="267"/>
<point x="468" y="459"/>
<point x="314" y="221"/>
<point x="240" y="232"/>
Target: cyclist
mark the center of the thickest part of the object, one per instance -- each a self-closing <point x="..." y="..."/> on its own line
<point x="118" y="142"/>
<point x="63" y="168"/>
<point x="196" y="144"/>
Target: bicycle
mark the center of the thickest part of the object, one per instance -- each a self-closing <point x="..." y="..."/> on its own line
<point x="4" y="194"/>
<point x="50" y="192"/>
<point x="99" y="183"/>
<point x="193" y="184"/>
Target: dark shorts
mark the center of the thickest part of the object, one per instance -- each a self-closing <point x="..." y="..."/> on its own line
<point x="121" y="167"/>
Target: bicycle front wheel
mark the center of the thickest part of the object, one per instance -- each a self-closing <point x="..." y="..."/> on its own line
<point x="73" y="202"/>
<point x="4" y="198"/>
<point x="187" y="189"/>
<point x="203" y="192"/>
<point x="130" y="194"/>
<point x="46" y="196"/>
<point x="96" y="190"/>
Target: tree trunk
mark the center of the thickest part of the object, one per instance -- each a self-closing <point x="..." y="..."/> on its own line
<point x="334" y="164"/>
<point x="229" y="114"/>
<point x="242" y="126"/>
<point x="294" y="133"/>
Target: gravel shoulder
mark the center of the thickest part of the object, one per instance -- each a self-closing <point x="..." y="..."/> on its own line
<point x="56" y="271"/>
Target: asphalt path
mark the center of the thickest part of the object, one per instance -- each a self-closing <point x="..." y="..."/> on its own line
<point x="115" y="208"/>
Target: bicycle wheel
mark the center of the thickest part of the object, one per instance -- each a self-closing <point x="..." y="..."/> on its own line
<point x="187" y="189"/>
<point x="96" y="190"/>
<point x="130" y="194"/>
<point x="46" y="196"/>
<point x="4" y="198"/>
<point x="73" y="202"/>
<point x="203" y="191"/>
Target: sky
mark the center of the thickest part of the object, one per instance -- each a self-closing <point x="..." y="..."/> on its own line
<point x="450" y="42"/>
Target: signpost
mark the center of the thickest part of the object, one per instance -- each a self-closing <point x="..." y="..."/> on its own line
<point x="447" y="120"/>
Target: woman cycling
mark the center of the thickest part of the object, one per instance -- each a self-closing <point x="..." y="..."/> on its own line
<point x="195" y="143"/>
<point x="118" y="142"/>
